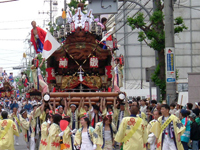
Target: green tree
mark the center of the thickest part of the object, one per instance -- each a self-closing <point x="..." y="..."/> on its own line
<point x="73" y="5"/>
<point x="153" y="35"/>
<point x="43" y="68"/>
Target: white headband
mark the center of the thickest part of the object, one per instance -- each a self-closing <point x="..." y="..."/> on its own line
<point x="72" y="105"/>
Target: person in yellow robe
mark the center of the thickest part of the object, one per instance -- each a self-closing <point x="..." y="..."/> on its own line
<point x="119" y="114"/>
<point x="168" y="130"/>
<point x="47" y="108"/>
<point x="104" y="134"/>
<point x="37" y="111"/>
<point x="117" y="76"/>
<point x="140" y="114"/>
<point x="44" y="131"/>
<point x="39" y="82"/>
<point x="151" y="137"/>
<point x="27" y="125"/>
<point x="84" y="136"/>
<point x="53" y="140"/>
<point x="75" y="113"/>
<point x="67" y="137"/>
<point x="7" y="131"/>
<point x="15" y="118"/>
<point x="132" y="132"/>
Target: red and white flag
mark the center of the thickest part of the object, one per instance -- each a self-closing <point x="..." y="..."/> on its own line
<point x="50" y="45"/>
<point x="109" y="33"/>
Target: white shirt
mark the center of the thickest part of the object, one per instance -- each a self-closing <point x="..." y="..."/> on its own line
<point x="143" y="109"/>
<point x="172" y="111"/>
<point x="121" y="117"/>
<point x="108" y="135"/>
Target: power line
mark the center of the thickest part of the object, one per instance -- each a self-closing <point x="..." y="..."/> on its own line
<point x="12" y="39"/>
<point x="20" y="20"/>
<point x="8" y="1"/>
<point x="188" y="7"/>
<point x="16" y="28"/>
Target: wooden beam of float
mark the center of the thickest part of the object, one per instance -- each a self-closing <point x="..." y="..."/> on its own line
<point x="86" y="103"/>
<point x="83" y="94"/>
<point x="77" y="99"/>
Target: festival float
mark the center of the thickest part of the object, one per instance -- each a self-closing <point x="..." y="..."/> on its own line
<point x="6" y="88"/>
<point x="82" y="66"/>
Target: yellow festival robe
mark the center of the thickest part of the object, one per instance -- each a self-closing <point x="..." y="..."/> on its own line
<point x="53" y="140"/>
<point x="67" y="139"/>
<point x="77" y="115"/>
<point x="178" y="128"/>
<point x="138" y="140"/>
<point x="7" y="142"/>
<point x="150" y="125"/>
<point x="37" y="113"/>
<point x="143" y="116"/>
<point x="44" y="135"/>
<point x="42" y="117"/>
<point x="116" y="115"/>
<point x="78" y="138"/>
<point x="98" y="134"/>
<point x="17" y="122"/>
<point x="25" y="127"/>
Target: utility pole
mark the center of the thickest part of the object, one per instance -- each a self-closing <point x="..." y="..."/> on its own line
<point x="169" y="51"/>
<point x="51" y="11"/>
<point x="65" y="11"/>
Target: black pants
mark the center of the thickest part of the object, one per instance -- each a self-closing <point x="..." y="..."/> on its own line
<point x="185" y="145"/>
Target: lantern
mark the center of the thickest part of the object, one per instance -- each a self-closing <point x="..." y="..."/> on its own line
<point x="98" y="30"/>
<point x="50" y="74"/>
<point x="27" y="95"/>
<point x="55" y="34"/>
<point x="67" y="28"/>
<point x="93" y="27"/>
<point x="94" y="62"/>
<point x="72" y="27"/>
<point x="63" y="63"/>
<point x="59" y="80"/>
<point x="36" y="63"/>
<point x="121" y="60"/>
<point x="108" y="71"/>
<point x="86" y="26"/>
<point x="115" y="44"/>
<point x="61" y="32"/>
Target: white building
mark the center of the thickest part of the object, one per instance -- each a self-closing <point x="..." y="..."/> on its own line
<point x="139" y="56"/>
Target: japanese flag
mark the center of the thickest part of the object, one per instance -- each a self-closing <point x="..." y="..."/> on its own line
<point x="108" y="34"/>
<point x="50" y="45"/>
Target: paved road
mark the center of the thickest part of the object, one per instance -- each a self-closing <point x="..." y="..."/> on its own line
<point x="22" y="144"/>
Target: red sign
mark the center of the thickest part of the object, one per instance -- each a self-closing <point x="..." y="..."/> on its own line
<point x="27" y="95"/>
<point x="108" y="71"/>
<point x="50" y="74"/>
<point x="72" y="27"/>
<point x="94" y="62"/>
<point x="63" y="63"/>
<point x="86" y="26"/>
<point x="12" y="92"/>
